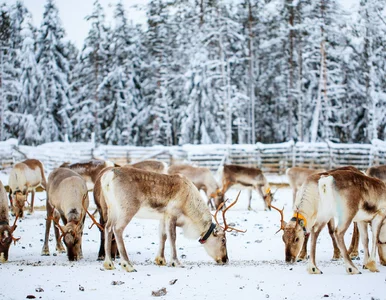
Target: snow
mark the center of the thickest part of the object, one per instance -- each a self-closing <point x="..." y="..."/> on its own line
<point x="256" y="269"/>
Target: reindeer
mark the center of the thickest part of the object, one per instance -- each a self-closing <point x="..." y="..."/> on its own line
<point x="348" y="195"/>
<point x="25" y="177"/>
<point x="67" y="198"/>
<point x="380" y="173"/>
<point x="152" y="166"/>
<point x="147" y="165"/>
<point x="252" y="178"/>
<point x="173" y="199"/>
<point x="88" y="169"/>
<point x="203" y="179"/>
<point x="296" y="177"/>
<point x="6" y="231"/>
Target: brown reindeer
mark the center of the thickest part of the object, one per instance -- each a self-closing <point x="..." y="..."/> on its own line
<point x="203" y="179"/>
<point x="6" y="231"/>
<point x="88" y="169"/>
<point x="25" y="177"/>
<point x="172" y="199"/>
<point x="247" y="177"/>
<point x="67" y="199"/>
<point x="380" y="173"/>
<point x="147" y="165"/>
<point x="347" y="195"/>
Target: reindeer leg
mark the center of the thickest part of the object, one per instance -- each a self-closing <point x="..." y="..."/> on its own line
<point x="382" y="245"/>
<point x="160" y="258"/>
<point x="108" y="263"/>
<point x="31" y="208"/>
<point x="331" y="229"/>
<point x="59" y="246"/>
<point x="312" y="268"/>
<point x="250" y="199"/>
<point x="171" y="224"/>
<point x="376" y="224"/>
<point x="303" y="253"/>
<point x="353" y="250"/>
<point x="46" y="250"/>
<point x="118" y="233"/>
<point x="101" y="253"/>
<point x="339" y="235"/>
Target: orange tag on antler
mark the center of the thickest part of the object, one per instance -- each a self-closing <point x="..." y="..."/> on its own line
<point x="268" y="190"/>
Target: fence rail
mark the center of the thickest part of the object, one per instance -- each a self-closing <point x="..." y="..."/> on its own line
<point x="271" y="158"/>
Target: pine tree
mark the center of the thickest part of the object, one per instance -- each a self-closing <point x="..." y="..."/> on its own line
<point x="51" y="56"/>
<point x="89" y="73"/>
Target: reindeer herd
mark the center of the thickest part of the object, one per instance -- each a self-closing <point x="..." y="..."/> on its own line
<point x="153" y="190"/>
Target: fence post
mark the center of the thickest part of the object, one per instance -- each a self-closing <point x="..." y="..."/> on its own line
<point x="330" y="154"/>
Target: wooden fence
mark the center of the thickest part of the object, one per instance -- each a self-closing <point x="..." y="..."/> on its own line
<point x="271" y="158"/>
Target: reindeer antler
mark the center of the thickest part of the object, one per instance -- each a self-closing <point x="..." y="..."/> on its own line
<point x="13" y="228"/>
<point x="226" y="226"/>
<point x="282" y="225"/>
<point x="95" y="222"/>
<point x="56" y="223"/>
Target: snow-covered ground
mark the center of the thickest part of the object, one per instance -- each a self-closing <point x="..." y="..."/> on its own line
<point x="256" y="269"/>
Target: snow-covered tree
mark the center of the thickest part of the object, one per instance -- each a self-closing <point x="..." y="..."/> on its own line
<point x="53" y="102"/>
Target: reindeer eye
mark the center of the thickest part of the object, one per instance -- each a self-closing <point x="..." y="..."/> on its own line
<point x="223" y="241"/>
<point x="296" y="240"/>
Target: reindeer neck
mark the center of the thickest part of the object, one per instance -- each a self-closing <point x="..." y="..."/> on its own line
<point x="306" y="206"/>
<point x="197" y="212"/>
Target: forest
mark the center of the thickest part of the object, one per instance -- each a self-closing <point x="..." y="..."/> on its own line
<point x="199" y="72"/>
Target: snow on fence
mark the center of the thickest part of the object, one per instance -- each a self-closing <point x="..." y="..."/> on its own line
<point x="272" y="158"/>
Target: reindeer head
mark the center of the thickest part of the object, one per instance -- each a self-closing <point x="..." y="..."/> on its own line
<point x="293" y="236"/>
<point x="72" y="238"/>
<point x="6" y="238"/>
<point x="268" y="197"/>
<point x="18" y="202"/>
<point x="215" y="244"/>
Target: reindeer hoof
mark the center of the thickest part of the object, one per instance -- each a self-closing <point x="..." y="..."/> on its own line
<point x="108" y="265"/>
<point x="45" y="252"/>
<point x="126" y="266"/>
<point x="160" y="261"/>
<point x="175" y="263"/>
<point x="352" y="271"/>
<point x="371" y="266"/>
<point x="314" y="270"/>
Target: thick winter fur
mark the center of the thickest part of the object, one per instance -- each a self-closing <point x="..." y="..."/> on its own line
<point x="88" y="169"/>
<point x="247" y="177"/>
<point x="152" y="166"/>
<point x="25" y="177"/>
<point x="297" y="176"/>
<point x="6" y="231"/>
<point x="66" y="190"/>
<point x="172" y="199"/>
<point x="203" y="179"/>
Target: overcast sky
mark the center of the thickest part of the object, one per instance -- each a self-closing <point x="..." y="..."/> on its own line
<point x="73" y="13"/>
